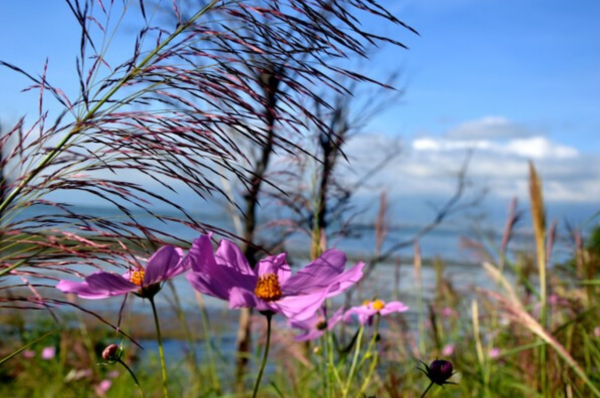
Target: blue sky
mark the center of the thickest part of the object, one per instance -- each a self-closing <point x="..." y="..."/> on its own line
<point x="534" y="62"/>
<point x="514" y="79"/>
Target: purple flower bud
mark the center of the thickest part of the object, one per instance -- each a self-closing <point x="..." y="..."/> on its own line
<point x="439" y="371"/>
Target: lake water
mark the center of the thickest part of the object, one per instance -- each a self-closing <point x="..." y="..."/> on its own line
<point x="389" y="281"/>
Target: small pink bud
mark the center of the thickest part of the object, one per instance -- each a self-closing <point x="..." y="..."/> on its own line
<point x="111" y="353"/>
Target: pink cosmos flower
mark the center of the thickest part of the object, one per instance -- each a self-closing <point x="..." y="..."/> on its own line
<point x="315" y="326"/>
<point x="166" y="263"/>
<point x="270" y="287"/>
<point x="48" y="353"/>
<point x="369" y="309"/>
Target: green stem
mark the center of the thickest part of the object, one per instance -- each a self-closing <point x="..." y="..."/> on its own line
<point x="331" y="368"/>
<point x="368" y="354"/>
<point x="265" y="355"/>
<point x="137" y="383"/>
<point x="426" y="390"/>
<point x="161" y="351"/>
<point x="354" y="362"/>
<point x="372" y="342"/>
<point x="209" y="343"/>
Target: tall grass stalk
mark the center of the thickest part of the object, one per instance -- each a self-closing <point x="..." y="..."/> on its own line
<point x="420" y="307"/>
<point x="479" y="346"/>
<point x="81" y="123"/>
<point x="538" y="216"/>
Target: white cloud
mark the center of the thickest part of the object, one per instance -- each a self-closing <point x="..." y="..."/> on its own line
<point x="537" y="147"/>
<point x="429" y="165"/>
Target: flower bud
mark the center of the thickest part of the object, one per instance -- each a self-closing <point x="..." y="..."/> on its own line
<point x="439" y="371"/>
<point x="111" y="353"/>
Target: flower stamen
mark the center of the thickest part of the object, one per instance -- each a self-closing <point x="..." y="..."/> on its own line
<point x="378" y="305"/>
<point x="268" y="288"/>
<point x="137" y="277"/>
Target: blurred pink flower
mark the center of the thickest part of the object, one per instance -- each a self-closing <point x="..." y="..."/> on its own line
<point x="369" y="309"/>
<point x="447" y="312"/>
<point x="597" y="331"/>
<point x="103" y="387"/>
<point x="28" y="354"/>
<point x="494" y="353"/>
<point x="48" y="353"/>
<point x="113" y="374"/>
<point x="448" y="350"/>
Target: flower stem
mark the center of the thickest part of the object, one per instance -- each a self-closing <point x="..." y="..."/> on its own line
<point x="160" y="349"/>
<point x="368" y="354"/>
<point x="137" y="383"/>
<point x="265" y="355"/>
<point x="427" y="389"/>
<point x="354" y="362"/>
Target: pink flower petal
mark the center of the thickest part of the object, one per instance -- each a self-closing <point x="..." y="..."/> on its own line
<point x="164" y="264"/>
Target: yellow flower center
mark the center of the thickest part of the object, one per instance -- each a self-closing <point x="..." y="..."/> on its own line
<point x="378" y="305"/>
<point x="267" y="288"/>
<point x="366" y="303"/>
<point x="137" y="277"/>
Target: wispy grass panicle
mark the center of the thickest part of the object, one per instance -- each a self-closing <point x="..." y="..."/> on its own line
<point x="165" y="121"/>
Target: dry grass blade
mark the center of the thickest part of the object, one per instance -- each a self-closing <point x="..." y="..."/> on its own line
<point x="518" y="315"/>
<point x="538" y="216"/>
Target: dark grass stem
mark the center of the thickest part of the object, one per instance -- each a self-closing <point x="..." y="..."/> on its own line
<point x="137" y="383"/>
<point x="161" y="351"/>
<point x="265" y="355"/>
<point x="427" y="389"/>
